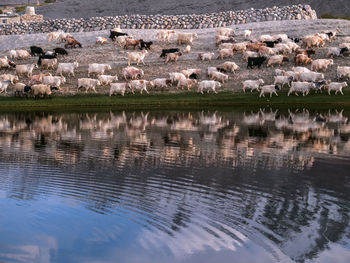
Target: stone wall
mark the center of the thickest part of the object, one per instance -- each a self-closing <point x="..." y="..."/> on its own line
<point x="31" y="18"/>
<point x="293" y="12"/>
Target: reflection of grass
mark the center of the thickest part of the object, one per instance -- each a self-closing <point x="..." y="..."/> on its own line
<point x="329" y="16"/>
<point x="179" y="101"/>
<point x="20" y="9"/>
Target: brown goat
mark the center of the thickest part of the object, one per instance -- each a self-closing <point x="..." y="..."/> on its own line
<point x="302" y="59"/>
<point x="72" y="43"/>
<point x="306" y="52"/>
<point x="255" y="46"/>
<point x="132" y="43"/>
<point x="173" y="57"/>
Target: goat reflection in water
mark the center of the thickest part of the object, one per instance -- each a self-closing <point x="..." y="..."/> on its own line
<point x="181" y="183"/>
<point x="209" y="135"/>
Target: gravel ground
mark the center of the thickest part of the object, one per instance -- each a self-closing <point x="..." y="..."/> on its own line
<point x="89" y="8"/>
<point x="155" y="66"/>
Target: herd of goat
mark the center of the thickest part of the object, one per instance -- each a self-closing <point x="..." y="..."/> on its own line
<point x="273" y="50"/>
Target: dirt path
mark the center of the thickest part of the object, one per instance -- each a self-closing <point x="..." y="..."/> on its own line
<point x="155" y="67"/>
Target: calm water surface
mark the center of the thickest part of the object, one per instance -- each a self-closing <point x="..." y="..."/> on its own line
<point x="149" y="187"/>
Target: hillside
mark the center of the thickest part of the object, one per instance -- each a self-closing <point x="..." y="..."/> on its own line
<point x="89" y="8"/>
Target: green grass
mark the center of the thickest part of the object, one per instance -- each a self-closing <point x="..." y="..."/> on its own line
<point x="188" y="100"/>
<point x="47" y="2"/>
<point x="330" y="16"/>
<point x="20" y="9"/>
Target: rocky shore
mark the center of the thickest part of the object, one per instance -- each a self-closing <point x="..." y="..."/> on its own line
<point x="212" y="20"/>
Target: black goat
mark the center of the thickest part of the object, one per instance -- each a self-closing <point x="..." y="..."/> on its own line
<point x="145" y="45"/>
<point x="194" y="76"/>
<point x="115" y="34"/>
<point x="271" y="44"/>
<point x="60" y="51"/>
<point x="255" y="61"/>
<point x="344" y="49"/>
<point x="34" y="50"/>
<point x="169" y="50"/>
<point x="45" y="57"/>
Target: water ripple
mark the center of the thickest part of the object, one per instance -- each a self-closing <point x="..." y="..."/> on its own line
<point x="177" y="183"/>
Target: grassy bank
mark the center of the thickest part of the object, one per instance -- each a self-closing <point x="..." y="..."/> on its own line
<point x="19" y="9"/>
<point x="178" y="101"/>
<point x="330" y="16"/>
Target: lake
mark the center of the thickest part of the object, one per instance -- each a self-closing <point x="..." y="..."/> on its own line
<point x="191" y="186"/>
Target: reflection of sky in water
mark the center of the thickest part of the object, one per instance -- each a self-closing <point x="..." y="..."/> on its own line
<point x="199" y="187"/>
<point x="61" y="230"/>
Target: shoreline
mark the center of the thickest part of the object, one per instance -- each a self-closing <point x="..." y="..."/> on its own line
<point x="178" y="101"/>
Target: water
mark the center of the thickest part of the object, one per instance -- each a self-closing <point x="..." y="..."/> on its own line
<point x="266" y="186"/>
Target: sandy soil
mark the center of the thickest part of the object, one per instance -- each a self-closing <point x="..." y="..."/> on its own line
<point x="89" y="8"/>
<point x="155" y="66"/>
